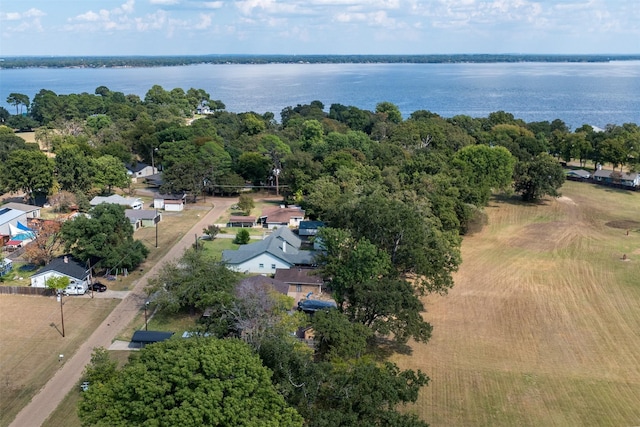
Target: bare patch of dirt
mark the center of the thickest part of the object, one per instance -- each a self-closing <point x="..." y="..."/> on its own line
<point x="623" y="224"/>
<point x="567" y="200"/>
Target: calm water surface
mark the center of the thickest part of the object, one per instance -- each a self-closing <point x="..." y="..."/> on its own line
<point x="593" y="93"/>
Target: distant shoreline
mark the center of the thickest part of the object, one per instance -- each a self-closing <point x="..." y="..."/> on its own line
<point x="167" y="61"/>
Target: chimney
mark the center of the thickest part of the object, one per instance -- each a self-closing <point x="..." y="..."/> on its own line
<point x="65" y="259"/>
<point x="284" y="247"/>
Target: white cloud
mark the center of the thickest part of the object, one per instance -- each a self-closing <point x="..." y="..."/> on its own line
<point x="11" y="16"/>
<point x="212" y="4"/>
<point x="164" y="2"/>
<point x="153" y="21"/>
<point x="204" y="22"/>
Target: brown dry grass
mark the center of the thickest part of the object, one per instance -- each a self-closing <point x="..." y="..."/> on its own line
<point x="543" y="324"/>
<point x="30" y="342"/>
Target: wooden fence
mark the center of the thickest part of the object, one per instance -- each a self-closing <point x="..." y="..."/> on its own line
<point x="25" y="290"/>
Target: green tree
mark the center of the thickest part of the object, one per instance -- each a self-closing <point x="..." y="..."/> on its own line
<point x="242" y="237"/>
<point x="362" y="393"/>
<point x="254" y="167"/>
<point x="30" y="171"/>
<point x="366" y="289"/>
<point x="408" y="232"/>
<point x="189" y="382"/>
<point x="483" y="169"/>
<point x="107" y="235"/>
<point x="18" y="100"/>
<point x="101" y="368"/>
<point x="540" y="177"/>
<point x="196" y="283"/>
<point x="211" y="230"/>
<point x="9" y="142"/>
<point x="110" y="172"/>
<point x="390" y="110"/>
<point x="336" y="337"/>
<point x="73" y="169"/>
<point x="246" y="203"/>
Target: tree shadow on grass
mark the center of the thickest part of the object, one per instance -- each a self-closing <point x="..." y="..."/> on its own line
<point x="383" y="348"/>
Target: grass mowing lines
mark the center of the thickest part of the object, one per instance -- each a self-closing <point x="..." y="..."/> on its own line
<point x="541" y="325"/>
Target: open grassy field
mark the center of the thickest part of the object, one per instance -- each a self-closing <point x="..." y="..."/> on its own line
<point x="31" y="342"/>
<point x="543" y="324"/>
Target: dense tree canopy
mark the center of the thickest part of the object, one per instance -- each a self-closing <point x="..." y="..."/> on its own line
<point x="30" y="171"/>
<point x="189" y="382"/>
<point x="106" y="236"/>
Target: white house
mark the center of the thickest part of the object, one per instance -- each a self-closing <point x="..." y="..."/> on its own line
<point x="32" y="211"/>
<point x="140" y="170"/>
<point x="281" y="249"/>
<point x="128" y="202"/>
<point x="65" y="266"/>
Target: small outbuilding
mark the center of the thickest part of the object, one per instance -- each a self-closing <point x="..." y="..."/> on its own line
<point x="142" y="338"/>
<point x="242" y="221"/>
<point x="5" y="266"/>
<point x="170" y="202"/>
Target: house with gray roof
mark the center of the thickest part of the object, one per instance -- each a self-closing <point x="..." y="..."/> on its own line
<point x="77" y="272"/>
<point x="139" y="218"/>
<point x="615" y="177"/>
<point x="281" y="249"/>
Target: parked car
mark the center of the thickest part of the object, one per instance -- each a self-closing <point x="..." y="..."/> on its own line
<point x="97" y="287"/>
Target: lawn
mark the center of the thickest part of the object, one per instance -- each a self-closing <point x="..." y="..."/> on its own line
<point x="542" y="325"/>
<point x="31" y="342"/>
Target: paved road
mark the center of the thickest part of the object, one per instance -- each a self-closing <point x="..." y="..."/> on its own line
<point x="50" y="396"/>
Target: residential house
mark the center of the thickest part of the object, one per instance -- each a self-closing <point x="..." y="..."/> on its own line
<point x="302" y="282"/>
<point x="281" y="249"/>
<point x="140" y="170"/>
<point x="281" y="216"/>
<point x="170" y="202"/>
<point x="140" y="218"/>
<point x="127" y="202"/>
<point x="32" y="211"/>
<point x="77" y="272"/>
<point x="616" y="177"/>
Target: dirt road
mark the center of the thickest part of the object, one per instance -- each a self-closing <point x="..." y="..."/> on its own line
<point x="50" y="396"/>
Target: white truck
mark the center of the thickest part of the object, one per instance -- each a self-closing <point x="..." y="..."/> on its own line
<point x="76" y="288"/>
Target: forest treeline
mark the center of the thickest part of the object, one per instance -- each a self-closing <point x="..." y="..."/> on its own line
<point x="160" y="61"/>
<point x="396" y="195"/>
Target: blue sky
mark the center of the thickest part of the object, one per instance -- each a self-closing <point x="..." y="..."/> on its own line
<point x="196" y="27"/>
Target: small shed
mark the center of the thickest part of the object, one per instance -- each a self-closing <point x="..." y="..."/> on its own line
<point x="5" y="266"/>
<point x="170" y="202"/>
<point x="142" y="338"/>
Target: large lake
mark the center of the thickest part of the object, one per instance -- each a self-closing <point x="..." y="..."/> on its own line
<point x="577" y="93"/>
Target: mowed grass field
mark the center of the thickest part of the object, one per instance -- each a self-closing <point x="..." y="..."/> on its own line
<point x="543" y="324"/>
<point x="31" y="342"/>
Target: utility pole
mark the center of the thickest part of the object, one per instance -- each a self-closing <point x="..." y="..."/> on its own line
<point x="156" y="221"/>
<point x="60" y="294"/>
